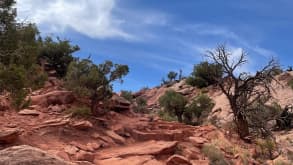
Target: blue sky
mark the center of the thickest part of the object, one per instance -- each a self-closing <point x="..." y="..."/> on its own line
<point x="154" y="37"/>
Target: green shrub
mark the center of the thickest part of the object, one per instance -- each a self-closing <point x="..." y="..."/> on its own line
<point x="13" y="79"/>
<point x="205" y="74"/>
<point x="80" y="112"/>
<point x="174" y="103"/>
<point x="58" y="54"/>
<point x="141" y="105"/>
<point x="87" y="79"/>
<point x="127" y="95"/>
<point x="259" y="115"/>
<point x="265" y="148"/>
<point x="199" y="109"/>
<point x="214" y="155"/>
<point x="166" y="116"/>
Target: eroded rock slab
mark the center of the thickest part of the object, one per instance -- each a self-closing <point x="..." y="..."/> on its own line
<point x="29" y="112"/>
<point x="83" y="125"/>
<point x="53" y="98"/>
<point x="27" y="155"/>
<point x="132" y="160"/>
<point x="117" y="138"/>
<point x="144" y="148"/>
<point x="178" y="159"/>
<point x="8" y="136"/>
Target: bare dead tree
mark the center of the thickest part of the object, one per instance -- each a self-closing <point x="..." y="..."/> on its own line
<point x="243" y="90"/>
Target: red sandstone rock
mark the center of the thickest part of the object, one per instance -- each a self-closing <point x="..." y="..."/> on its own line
<point x="178" y="159"/>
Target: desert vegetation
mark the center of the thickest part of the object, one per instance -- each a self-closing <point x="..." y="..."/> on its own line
<point x="217" y="115"/>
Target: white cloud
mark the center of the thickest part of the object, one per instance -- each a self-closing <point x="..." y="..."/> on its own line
<point x="93" y="18"/>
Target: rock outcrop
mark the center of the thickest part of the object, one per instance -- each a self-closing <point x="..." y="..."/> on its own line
<point x="8" y="136"/>
<point x="27" y="155"/>
<point x="57" y="97"/>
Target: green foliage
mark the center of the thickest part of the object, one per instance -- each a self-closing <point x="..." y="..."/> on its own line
<point x="174" y="103"/>
<point x="18" y="56"/>
<point x="265" y="148"/>
<point x="214" y="155"/>
<point x="13" y="80"/>
<point x="166" y="116"/>
<point x="127" y="95"/>
<point x="172" y="76"/>
<point x="141" y="105"/>
<point x="58" y="54"/>
<point x="205" y="74"/>
<point x="80" y="112"/>
<point x="259" y="115"/>
<point x="36" y="77"/>
<point x="199" y="109"/>
<point x="94" y="81"/>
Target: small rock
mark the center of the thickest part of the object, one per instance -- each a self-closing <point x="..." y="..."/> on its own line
<point x="11" y="125"/>
<point x="56" y="108"/>
<point x="85" y="156"/>
<point x="117" y="138"/>
<point x="71" y="150"/>
<point x="8" y="136"/>
<point x="177" y="159"/>
<point x="201" y="162"/>
<point x="63" y="155"/>
<point x="197" y="141"/>
<point x="29" y="112"/>
<point x="93" y="146"/>
<point x="83" y="125"/>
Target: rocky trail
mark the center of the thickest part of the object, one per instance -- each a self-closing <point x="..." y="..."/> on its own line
<point x="50" y="135"/>
<point x="114" y="139"/>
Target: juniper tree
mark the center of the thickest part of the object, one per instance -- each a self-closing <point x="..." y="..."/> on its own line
<point x="243" y="90"/>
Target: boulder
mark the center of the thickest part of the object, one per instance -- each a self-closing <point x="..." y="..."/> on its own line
<point x="177" y="159"/>
<point x="29" y="112"/>
<point x="27" y="155"/>
<point x="8" y="136"/>
<point x="52" y="98"/>
<point x="119" y="103"/>
<point x="83" y="125"/>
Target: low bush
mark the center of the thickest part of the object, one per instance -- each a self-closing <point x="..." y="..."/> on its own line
<point x="198" y="110"/>
<point x="140" y="105"/>
<point x="205" y="74"/>
<point x="127" y="95"/>
<point x="80" y="112"/>
<point x="265" y="148"/>
<point x="214" y="155"/>
<point x="166" y="116"/>
<point x="174" y="103"/>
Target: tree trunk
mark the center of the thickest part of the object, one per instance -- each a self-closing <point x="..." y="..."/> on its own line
<point x="242" y="126"/>
<point x="179" y="117"/>
<point x="94" y="104"/>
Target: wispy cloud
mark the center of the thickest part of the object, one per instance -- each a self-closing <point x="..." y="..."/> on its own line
<point x="99" y="19"/>
<point x="92" y="17"/>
